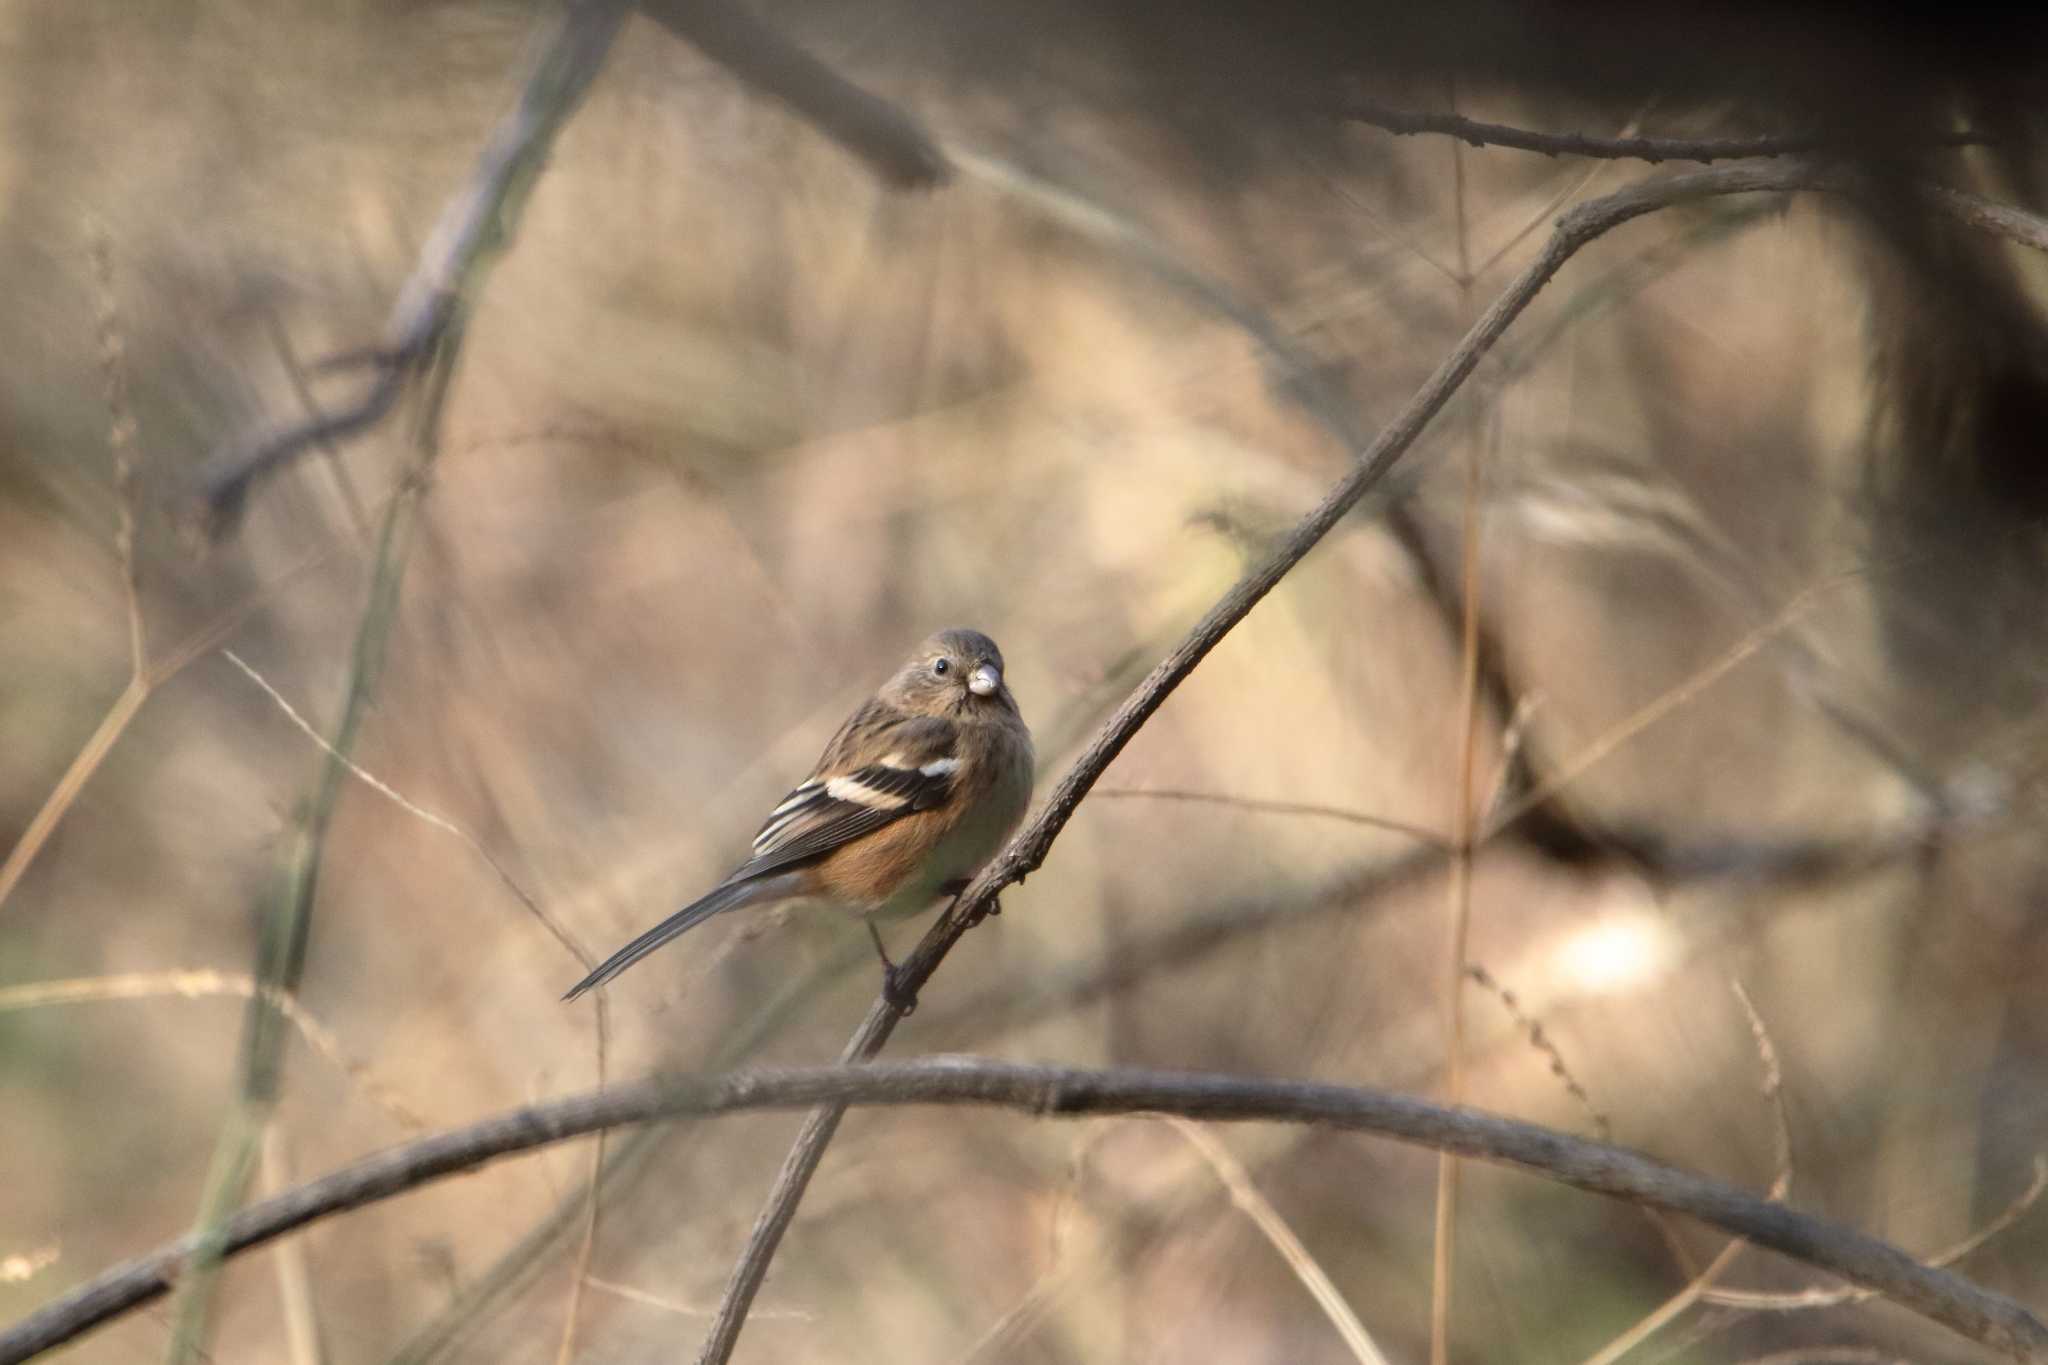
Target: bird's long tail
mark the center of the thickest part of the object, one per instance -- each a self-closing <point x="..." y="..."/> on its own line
<point x="731" y="896"/>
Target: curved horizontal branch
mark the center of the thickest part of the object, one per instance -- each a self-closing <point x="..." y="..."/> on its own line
<point x="1407" y="122"/>
<point x="1598" y="1167"/>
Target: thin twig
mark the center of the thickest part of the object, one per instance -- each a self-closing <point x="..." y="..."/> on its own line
<point x="628" y="1160"/>
<point x="1665" y="1313"/>
<point x="1464" y="817"/>
<point x="1759" y="1302"/>
<point x="1407" y="122"/>
<point x="1246" y="1195"/>
<point x="687" y="1310"/>
<point x="533" y="906"/>
<point x="384" y="789"/>
<point x="1599" y="1168"/>
<point x="1557" y="201"/>
<point x="302" y="389"/>
<point x="84" y="764"/>
<point x="1062" y="1268"/>
<point x="294" y="1282"/>
<point x="1539" y="1039"/>
<point x="1349" y="817"/>
<point x="121" y="441"/>
<point x="1605" y="744"/>
<point x="1773" y="1086"/>
<point x="1029" y="848"/>
<point x="1773" y="1089"/>
<point x="285" y="926"/>
<point x="122" y="712"/>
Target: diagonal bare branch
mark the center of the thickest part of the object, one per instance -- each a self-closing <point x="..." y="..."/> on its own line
<point x="1028" y="850"/>
<point x="894" y="145"/>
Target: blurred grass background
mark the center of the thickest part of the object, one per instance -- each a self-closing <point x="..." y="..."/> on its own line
<point x="732" y="427"/>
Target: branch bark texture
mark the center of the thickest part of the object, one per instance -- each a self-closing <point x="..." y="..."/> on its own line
<point x="1598" y="1167"/>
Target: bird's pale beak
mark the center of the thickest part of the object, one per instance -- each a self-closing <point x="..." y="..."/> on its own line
<point x="984" y="681"/>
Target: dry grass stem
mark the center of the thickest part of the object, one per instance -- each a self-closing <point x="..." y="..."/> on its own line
<point x="1772" y="1085"/>
<point x="1773" y="1089"/>
<point x="294" y="1281"/>
<point x="600" y="1000"/>
<point x="139" y="689"/>
<point x="1457" y="938"/>
<point x="1351" y="817"/>
<point x="686" y="1310"/>
<point x="1539" y="1038"/>
<point x="1762" y="1302"/>
<point x="1245" y="1194"/>
<point x="1605" y="745"/>
<point x="207" y="984"/>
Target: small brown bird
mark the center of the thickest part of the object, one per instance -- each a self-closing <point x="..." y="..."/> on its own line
<point x="915" y="793"/>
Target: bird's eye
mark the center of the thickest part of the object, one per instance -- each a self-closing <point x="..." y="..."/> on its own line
<point x="942" y="667"/>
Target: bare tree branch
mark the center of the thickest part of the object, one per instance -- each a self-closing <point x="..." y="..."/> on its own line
<point x="895" y="146"/>
<point x="1027" y="851"/>
<point x="480" y="220"/>
<point x="1598" y="1167"/>
<point x="1406" y="122"/>
<point x="476" y="224"/>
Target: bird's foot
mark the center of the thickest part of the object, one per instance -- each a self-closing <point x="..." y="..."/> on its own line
<point x="897" y="992"/>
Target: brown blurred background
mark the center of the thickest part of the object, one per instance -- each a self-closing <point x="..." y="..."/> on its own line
<point x="733" y="425"/>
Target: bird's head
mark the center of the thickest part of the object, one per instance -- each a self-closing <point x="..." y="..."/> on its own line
<point x="955" y="672"/>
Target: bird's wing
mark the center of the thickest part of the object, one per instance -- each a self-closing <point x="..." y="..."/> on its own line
<point x="845" y="799"/>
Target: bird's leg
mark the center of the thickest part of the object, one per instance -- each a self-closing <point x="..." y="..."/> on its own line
<point x="901" y="999"/>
